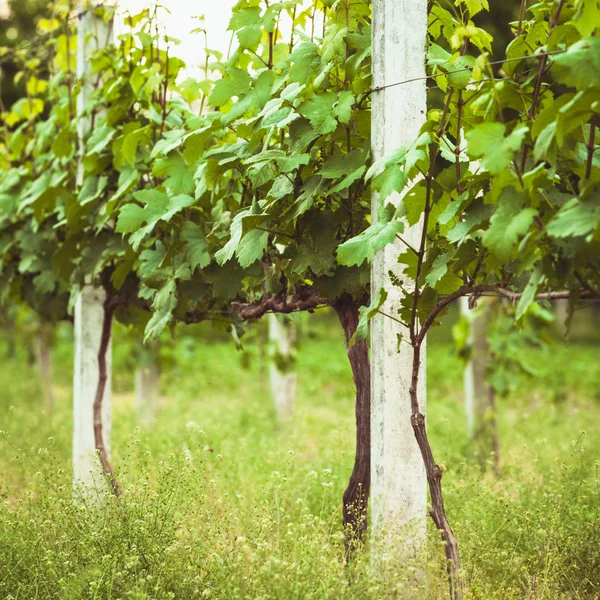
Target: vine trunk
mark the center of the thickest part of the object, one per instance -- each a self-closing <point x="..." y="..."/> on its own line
<point x="102" y="379"/>
<point x="356" y="496"/>
<point x="434" y="481"/>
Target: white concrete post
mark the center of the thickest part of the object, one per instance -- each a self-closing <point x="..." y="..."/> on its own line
<point x="468" y="375"/>
<point x="561" y="312"/>
<point x="476" y="389"/>
<point x="282" y="382"/>
<point x="92" y="34"/>
<point x="147" y="378"/>
<point x="398" y="481"/>
<point x="89" y="315"/>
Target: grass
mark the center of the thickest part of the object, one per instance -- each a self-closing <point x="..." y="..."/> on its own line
<point x="222" y="501"/>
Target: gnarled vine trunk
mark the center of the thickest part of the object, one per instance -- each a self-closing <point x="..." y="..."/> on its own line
<point x="434" y="472"/>
<point x="356" y="496"/>
<point x="102" y="379"/>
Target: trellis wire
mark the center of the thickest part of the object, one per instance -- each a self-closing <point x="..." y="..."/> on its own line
<point x="494" y="62"/>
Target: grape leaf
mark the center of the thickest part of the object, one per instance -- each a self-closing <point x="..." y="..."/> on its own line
<point x="364" y="246"/>
<point x="487" y="141"/>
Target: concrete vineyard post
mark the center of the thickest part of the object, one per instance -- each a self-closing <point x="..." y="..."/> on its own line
<point x="398" y="481"/>
<point x="282" y="375"/>
<point x="147" y="377"/>
<point x="89" y="315"/>
<point x="92" y="34"/>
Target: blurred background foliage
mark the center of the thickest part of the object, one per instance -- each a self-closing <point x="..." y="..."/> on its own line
<point x="18" y="27"/>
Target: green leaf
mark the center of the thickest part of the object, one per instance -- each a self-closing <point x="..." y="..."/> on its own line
<point x="343" y="107"/>
<point x="575" y="113"/>
<point x="508" y="223"/>
<point x="474" y="6"/>
<point x="179" y="177"/>
<point x="438" y="57"/>
<point x="62" y="146"/>
<point x="128" y="178"/>
<point x="317" y="249"/>
<point x="579" y="66"/>
<point x="414" y="201"/>
<point x="281" y="187"/>
<point x="588" y="16"/>
<point x="366" y="313"/>
<point x="474" y="216"/>
<point x="438" y="269"/>
<point x="99" y="139"/>
<point x="305" y="63"/>
<point x="364" y="246"/>
<point x="529" y="292"/>
<point x="235" y="82"/>
<point x="158" y="207"/>
<point x="395" y="159"/>
<point x="163" y="306"/>
<point x="457" y="78"/>
<point x="131" y="142"/>
<point x="45" y="283"/>
<point x="151" y="260"/>
<point x="119" y="275"/>
<point x="408" y="259"/>
<point x="448" y="284"/>
<point x="171" y="140"/>
<point x="319" y="111"/>
<point x="311" y="190"/>
<point x="576" y="218"/>
<point x="194" y="144"/>
<point x="342" y="166"/>
<point x="246" y="23"/>
<point x="196" y="248"/>
<point x="138" y="77"/>
<point x="235" y="232"/>
<point x="132" y="216"/>
<point x="391" y="179"/>
<point x="91" y="189"/>
<point x="256" y="97"/>
<point x="252" y="247"/>
<point x="545" y="144"/>
<point x="249" y="37"/>
<point x="487" y="141"/>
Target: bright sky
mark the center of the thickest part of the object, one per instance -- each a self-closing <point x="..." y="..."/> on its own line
<point x="181" y="21"/>
<point x="4" y="9"/>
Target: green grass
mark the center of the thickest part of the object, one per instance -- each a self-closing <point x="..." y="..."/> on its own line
<point x="223" y="502"/>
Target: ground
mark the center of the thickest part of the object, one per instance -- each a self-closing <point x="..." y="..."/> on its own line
<point x="222" y="501"/>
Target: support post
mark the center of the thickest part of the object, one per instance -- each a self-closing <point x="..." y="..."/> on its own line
<point x="92" y="34"/>
<point x="282" y="373"/>
<point x="398" y="480"/>
<point x="469" y="379"/>
<point x="561" y="311"/>
<point x="479" y="396"/>
<point x="89" y="319"/>
<point x="147" y="382"/>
